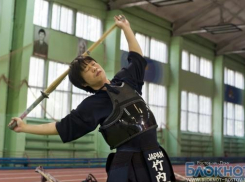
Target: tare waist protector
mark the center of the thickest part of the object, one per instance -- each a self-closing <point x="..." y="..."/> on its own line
<point x="130" y="116"/>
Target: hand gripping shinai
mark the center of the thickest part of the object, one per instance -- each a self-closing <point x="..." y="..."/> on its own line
<point x="55" y="83"/>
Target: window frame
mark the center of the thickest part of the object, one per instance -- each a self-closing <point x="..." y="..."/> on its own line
<point x="146" y="97"/>
<point x="124" y="47"/>
<point x="187" y="112"/>
<point x="90" y="16"/>
<point x="233" y="119"/>
<point x="73" y="18"/>
<point x="49" y="14"/>
<point x="70" y="92"/>
<point x="198" y="66"/>
<point x="234" y="84"/>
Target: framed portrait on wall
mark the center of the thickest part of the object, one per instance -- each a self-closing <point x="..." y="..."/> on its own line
<point x="82" y="46"/>
<point x="41" y="37"/>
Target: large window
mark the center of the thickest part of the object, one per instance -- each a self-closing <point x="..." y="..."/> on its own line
<point x="156" y="97"/>
<point x="36" y="84"/>
<point x="234" y="78"/>
<point x="196" y="113"/>
<point x="64" y="98"/>
<point x="88" y="27"/>
<point x="152" y="48"/>
<point x="58" y="103"/>
<point x="123" y="42"/>
<point x="144" y="42"/>
<point x="233" y="113"/>
<point x="62" y="19"/>
<point x="233" y="119"/>
<point x="41" y="14"/>
<point x="198" y="65"/>
<point x="158" y="51"/>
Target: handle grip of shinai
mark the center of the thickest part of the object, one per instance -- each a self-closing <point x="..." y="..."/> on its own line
<point x="56" y="82"/>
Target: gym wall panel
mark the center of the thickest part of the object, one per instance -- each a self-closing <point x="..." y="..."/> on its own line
<point x="195" y="83"/>
<point x="173" y="117"/>
<point x="235" y="63"/>
<point x="197" y="144"/>
<point x="62" y="47"/>
<point x="234" y="146"/>
<point x="218" y="111"/>
<point x="18" y="72"/>
<point x="52" y="146"/>
<point x="200" y="46"/>
<point x="1" y="9"/>
<point x="6" y="27"/>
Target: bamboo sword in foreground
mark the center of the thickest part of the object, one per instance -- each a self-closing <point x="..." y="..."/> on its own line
<point x="56" y="82"/>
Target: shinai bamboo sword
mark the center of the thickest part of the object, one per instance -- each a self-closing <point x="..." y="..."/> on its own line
<point x="56" y="82"/>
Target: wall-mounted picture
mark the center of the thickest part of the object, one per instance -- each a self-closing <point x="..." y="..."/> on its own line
<point x="82" y="46"/>
<point x="41" y="37"/>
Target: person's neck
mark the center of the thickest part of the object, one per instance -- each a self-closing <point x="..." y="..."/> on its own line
<point x="100" y="86"/>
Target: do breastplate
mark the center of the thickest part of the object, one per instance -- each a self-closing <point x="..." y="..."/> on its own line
<point x="130" y="117"/>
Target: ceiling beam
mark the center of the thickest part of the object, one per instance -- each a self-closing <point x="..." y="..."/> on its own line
<point x="189" y="18"/>
<point x="224" y="43"/>
<point x="241" y="10"/>
<point x="126" y="3"/>
<point x="194" y="16"/>
<point x="230" y="44"/>
<point x="233" y="14"/>
<point x="239" y="3"/>
<point x="206" y="20"/>
<point x="200" y="31"/>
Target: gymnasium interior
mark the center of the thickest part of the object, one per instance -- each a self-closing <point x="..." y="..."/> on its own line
<point x="194" y="81"/>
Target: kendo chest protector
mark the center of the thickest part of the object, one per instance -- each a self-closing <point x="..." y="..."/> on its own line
<point x="130" y="116"/>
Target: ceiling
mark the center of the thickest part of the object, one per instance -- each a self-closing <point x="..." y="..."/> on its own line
<point x="191" y="17"/>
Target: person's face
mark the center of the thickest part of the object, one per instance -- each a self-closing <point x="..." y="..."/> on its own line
<point x="94" y="75"/>
<point x="41" y="36"/>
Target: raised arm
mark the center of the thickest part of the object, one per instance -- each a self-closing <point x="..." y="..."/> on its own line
<point x="42" y="129"/>
<point x="133" y="44"/>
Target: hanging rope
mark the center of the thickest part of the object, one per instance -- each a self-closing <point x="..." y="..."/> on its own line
<point x="7" y="56"/>
<point x="24" y="82"/>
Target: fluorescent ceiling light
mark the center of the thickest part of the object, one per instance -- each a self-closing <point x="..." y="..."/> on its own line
<point x="225" y="31"/>
<point x="217" y="27"/>
<point x="236" y="52"/>
<point x="168" y="2"/>
<point x="222" y="28"/>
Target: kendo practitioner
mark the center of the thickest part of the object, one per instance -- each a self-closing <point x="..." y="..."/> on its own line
<point x="126" y="121"/>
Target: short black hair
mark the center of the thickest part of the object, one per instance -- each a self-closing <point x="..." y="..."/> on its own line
<point x="42" y="30"/>
<point x="76" y="67"/>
